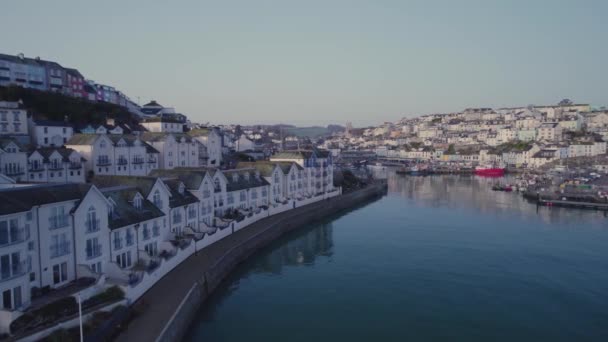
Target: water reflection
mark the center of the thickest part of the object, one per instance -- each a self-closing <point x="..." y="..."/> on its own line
<point x="474" y="193"/>
<point x="298" y="249"/>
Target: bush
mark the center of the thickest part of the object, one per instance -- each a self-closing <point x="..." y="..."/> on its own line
<point x="47" y="314"/>
<point x="111" y="294"/>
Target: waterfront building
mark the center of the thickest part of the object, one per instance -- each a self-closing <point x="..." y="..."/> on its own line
<point x="243" y="189"/>
<point x="318" y="168"/>
<point x="39" y="228"/>
<point x="586" y="148"/>
<point x="286" y="179"/>
<point x="49" y="133"/>
<point x="200" y="183"/>
<point x="55" y="165"/>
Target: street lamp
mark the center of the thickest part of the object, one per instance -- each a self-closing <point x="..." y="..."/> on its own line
<point x="80" y="317"/>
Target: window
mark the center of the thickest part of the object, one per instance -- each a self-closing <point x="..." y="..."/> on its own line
<point x="92" y="222"/>
<point x="217" y="184"/>
<point x="93" y="248"/>
<point x="46" y="130"/>
<point x="157" y="200"/>
<point x="243" y="196"/>
<point x="146" y="232"/>
<point x="117" y="240"/>
<point x="60" y="273"/>
<point x="129" y="237"/>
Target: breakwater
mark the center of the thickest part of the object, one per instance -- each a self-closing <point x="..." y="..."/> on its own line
<point x="167" y="309"/>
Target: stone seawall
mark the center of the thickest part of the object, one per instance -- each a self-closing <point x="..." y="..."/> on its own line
<point x="197" y="277"/>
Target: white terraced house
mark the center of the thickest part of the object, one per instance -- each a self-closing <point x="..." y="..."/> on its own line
<point x="211" y="144"/>
<point x="136" y="230"/>
<point x="13" y="119"/>
<point x="240" y="189"/>
<point x="318" y="168"/>
<point x="286" y="179"/>
<point x="55" y="165"/>
<point x="175" y="149"/>
<point x="50" y="133"/>
<point x="39" y="228"/>
<point x="200" y="183"/>
<point x="124" y="155"/>
<point x="13" y="159"/>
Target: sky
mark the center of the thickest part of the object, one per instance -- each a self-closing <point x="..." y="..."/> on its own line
<point x="323" y="62"/>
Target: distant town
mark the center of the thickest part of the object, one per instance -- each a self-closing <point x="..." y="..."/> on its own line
<point x="102" y="197"/>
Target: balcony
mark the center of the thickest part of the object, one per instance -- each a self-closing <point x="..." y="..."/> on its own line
<point x="92" y="225"/>
<point x="36" y="168"/>
<point x="16" y="270"/>
<point x="56" y="222"/>
<point x="55" y="166"/>
<point x="151" y="161"/>
<point x="13" y="171"/>
<point x="18" y="235"/>
<point x="75" y="166"/>
<point x="93" y="252"/>
<point x="122" y="162"/>
<point x="103" y="162"/>
<point x="61" y="249"/>
<point x="138" y="161"/>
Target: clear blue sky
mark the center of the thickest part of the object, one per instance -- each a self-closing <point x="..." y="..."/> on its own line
<point x="319" y="62"/>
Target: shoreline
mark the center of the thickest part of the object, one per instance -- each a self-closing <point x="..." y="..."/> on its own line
<point x="167" y="309"/>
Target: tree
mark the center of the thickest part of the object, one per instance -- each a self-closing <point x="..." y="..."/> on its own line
<point x="565" y="102"/>
<point x="451" y="149"/>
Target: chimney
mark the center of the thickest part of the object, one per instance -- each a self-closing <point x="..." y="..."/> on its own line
<point x="110" y="121"/>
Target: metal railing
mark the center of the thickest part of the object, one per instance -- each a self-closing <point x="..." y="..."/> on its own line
<point x="93" y="252"/>
<point x="61" y="249"/>
<point x="15" y="270"/>
<point x="56" y="222"/>
<point x="18" y="235"/>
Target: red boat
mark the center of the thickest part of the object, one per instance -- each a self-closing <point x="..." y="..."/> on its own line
<point x="489" y="171"/>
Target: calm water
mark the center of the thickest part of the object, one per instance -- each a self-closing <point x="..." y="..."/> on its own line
<point x="438" y="258"/>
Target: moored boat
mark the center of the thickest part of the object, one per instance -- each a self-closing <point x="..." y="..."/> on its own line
<point x="489" y="171"/>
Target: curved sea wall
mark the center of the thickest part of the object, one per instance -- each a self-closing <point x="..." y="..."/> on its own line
<point x="273" y="227"/>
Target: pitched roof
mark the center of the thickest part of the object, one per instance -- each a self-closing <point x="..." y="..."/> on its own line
<point x="191" y="177"/>
<point x="144" y="184"/>
<point x="245" y="179"/>
<point x="82" y="139"/>
<point x="46" y="152"/>
<point x="125" y="213"/>
<point x="15" y="200"/>
<point x="160" y="136"/>
<point x="52" y="123"/>
<point x="4" y="142"/>
<point x="179" y="199"/>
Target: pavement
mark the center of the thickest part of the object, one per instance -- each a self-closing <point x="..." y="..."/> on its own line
<point x="156" y="306"/>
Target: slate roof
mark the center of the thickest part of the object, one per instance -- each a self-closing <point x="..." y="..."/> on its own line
<point x="179" y="199"/>
<point x="266" y="167"/>
<point x="160" y="136"/>
<point x="143" y="184"/>
<point x="191" y="177"/>
<point x="82" y="139"/>
<point x="199" y="132"/>
<point x="52" y="123"/>
<point x="124" y="212"/>
<point x="46" y="153"/>
<point x="16" y="200"/>
<point x="242" y="182"/>
<point x="4" y="142"/>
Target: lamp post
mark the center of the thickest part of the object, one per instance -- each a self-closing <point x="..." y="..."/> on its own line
<point x="80" y="317"/>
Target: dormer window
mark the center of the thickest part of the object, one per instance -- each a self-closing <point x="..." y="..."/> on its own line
<point x="102" y="144"/>
<point x="247" y="176"/>
<point x="235" y="177"/>
<point x="217" y="184"/>
<point x="181" y="188"/>
<point x="137" y="202"/>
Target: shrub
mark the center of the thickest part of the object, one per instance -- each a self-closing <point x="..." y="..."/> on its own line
<point x="111" y="294"/>
<point x="47" y="314"/>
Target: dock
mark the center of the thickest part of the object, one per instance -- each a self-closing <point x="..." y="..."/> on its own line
<point x="573" y="204"/>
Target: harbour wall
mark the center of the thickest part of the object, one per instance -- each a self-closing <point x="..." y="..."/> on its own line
<point x="212" y="277"/>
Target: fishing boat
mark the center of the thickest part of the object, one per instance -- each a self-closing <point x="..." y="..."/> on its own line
<point x="489" y="170"/>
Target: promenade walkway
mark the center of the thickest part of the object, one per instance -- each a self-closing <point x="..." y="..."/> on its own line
<point x="158" y="304"/>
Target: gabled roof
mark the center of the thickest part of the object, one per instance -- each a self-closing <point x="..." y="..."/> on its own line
<point x="46" y="153"/>
<point x="191" y="177"/>
<point x="125" y="212"/>
<point x="160" y="136"/>
<point x="83" y="139"/>
<point x="4" y="142"/>
<point x="143" y="184"/>
<point x="179" y="199"/>
<point x="15" y="200"/>
<point x="242" y="182"/>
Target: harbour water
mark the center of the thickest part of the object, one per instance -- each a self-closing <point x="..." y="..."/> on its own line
<point x="438" y="258"/>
